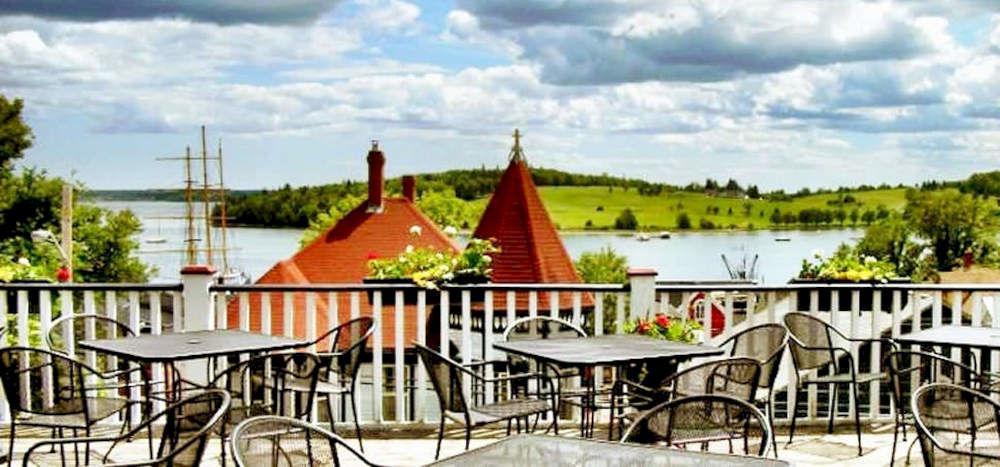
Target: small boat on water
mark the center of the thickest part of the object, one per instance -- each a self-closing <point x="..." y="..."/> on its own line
<point x="156" y="240"/>
<point x="782" y="239"/>
<point x="665" y="235"/>
<point x="642" y="237"/>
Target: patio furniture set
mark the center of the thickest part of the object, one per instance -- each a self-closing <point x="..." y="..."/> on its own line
<point x="259" y="392"/>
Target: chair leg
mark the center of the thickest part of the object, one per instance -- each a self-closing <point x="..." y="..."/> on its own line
<point x="857" y="415"/>
<point x="10" y="443"/>
<point x="895" y="438"/>
<point x="832" y="407"/>
<point x="329" y="410"/>
<point x="794" y="412"/>
<point x="357" y="424"/>
<point x="437" y="454"/>
<point x="770" y="420"/>
<point x="468" y="434"/>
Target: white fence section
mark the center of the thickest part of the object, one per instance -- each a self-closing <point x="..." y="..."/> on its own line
<point x="464" y="321"/>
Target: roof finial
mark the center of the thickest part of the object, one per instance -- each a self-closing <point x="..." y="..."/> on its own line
<point x="516" y="153"/>
<point x="374" y="144"/>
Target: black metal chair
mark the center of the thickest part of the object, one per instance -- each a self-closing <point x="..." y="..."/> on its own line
<point x="185" y="428"/>
<point x="270" y="441"/>
<point x="339" y="367"/>
<point x="547" y="327"/>
<point x="812" y="345"/>
<point x="766" y="343"/>
<point x="956" y="425"/>
<point x="72" y="407"/>
<point x="262" y="385"/>
<point x="735" y="377"/>
<point x="702" y="420"/>
<point x="910" y="368"/>
<point x="447" y="376"/>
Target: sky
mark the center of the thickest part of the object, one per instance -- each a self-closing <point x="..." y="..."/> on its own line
<point x="780" y="93"/>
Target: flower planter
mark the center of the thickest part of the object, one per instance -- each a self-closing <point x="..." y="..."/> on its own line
<point x="865" y="296"/>
<point x="409" y="288"/>
<point x="476" y="295"/>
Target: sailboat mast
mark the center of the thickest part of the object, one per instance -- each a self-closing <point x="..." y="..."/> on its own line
<point x="206" y="200"/>
<point x="191" y="253"/>
<point x="222" y="214"/>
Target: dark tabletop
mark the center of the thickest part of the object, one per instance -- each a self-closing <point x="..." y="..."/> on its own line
<point x="529" y="450"/>
<point x="190" y="345"/>
<point x="961" y="336"/>
<point x="605" y="350"/>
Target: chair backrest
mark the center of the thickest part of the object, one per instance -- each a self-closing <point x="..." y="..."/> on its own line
<point x="764" y="343"/>
<point x="702" y="419"/>
<point x="737" y="377"/>
<point x="20" y="365"/>
<point x="258" y="385"/>
<point x="958" y="413"/>
<point x="446" y="378"/>
<point x="810" y="341"/>
<point x="66" y="333"/>
<point x="187" y="425"/>
<point x="541" y="327"/>
<point x="270" y="441"/>
<point x="908" y="369"/>
<point x="349" y="340"/>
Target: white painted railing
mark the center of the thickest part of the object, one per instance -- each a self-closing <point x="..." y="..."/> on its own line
<point x="475" y="315"/>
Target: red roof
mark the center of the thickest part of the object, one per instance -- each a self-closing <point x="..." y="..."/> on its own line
<point x="341" y="255"/>
<point x="530" y="248"/>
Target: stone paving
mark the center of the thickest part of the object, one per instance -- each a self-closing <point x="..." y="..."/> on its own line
<point x="810" y="448"/>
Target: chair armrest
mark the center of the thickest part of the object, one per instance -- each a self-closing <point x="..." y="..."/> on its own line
<point x="63" y="442"/>
<point x="634" y="385"/>
<point x="480" y="363"/>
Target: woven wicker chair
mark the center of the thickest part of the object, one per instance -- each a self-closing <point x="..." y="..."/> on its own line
<point x="270" y="441"/>
<point x="340" y="365"/>
<point x="735" y="377"/>
<point x="186" y="427"/>
<point x="813" y="346"/>
<point x="73" y="407"/>
<point x="908" y="369"/>
<point x="702" y="420"/>
<point x="765" y="343"/>
<point x="956" y="425"/>
<point x="447" y="376"/>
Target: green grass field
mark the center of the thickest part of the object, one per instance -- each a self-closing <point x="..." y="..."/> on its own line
<point x="571" y="207"/>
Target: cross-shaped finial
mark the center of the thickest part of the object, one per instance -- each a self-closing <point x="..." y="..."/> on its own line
<point x="515" y="152"/>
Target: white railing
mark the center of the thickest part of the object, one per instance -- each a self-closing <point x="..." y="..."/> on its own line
<point x="465" y="320"/>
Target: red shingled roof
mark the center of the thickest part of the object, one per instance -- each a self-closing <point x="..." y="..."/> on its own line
<point x="531" y="250"/>
<point x="341" y="256"/>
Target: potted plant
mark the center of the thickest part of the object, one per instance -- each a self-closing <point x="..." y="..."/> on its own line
<point x="846" y="267"/>
<point x="663" y="327"/>
<point x="421" y="267"/>
<point x="474" y="265"/>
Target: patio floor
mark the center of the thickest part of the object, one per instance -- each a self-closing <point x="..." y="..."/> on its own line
<point x="811" y="448"/>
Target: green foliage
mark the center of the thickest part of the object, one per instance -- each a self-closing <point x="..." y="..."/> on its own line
<point x="626" y="220"/>
<point x="604" y="266"/>
<point x="20" y="270"/>
<point x="428" y="267"/>
<point x="448" y="210"/>
<point x="846" y="264"/>
<point x="476" y="260"/>
<point x="337" y="210"/>
<point x="952" y="223"/>
<point x="15" y="135"/>
<point x="106" y="248"/>
<point x="664" y="327"/>
<point x="683" y="221"/>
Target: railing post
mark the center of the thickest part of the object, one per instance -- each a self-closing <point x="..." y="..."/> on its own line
<point x="642" y="291"/>
<point x="199" y="313"/>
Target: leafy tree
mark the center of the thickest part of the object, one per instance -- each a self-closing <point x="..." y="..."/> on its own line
<point x="706" y="224"/>
<point x="776" y="216"/>
<point x="448" y="210"/>
<point x="626" y="220"/>
<point x="15" y="135"/>
<point x="854" y="216"/>
<point x="325" y="220"/>
<point x="683" y="221"/>
<point x="604" y="266"/>
<point x="952" y="223"/>
<point x="106" y="253"/>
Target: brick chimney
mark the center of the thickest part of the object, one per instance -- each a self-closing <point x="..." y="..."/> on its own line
<point x="410" y="188"/>
<point x="376" y="176"/>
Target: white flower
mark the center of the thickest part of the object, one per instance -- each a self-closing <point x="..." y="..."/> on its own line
<point x="454" y="261"/>
<point x="449" y="276"/>
<point x="416" y="230"/>
<point x="409" y="248"/>
<point x="450" y="230"/>
<point x="487" y="259"/>
<point x="870" y="259"/>
<point x="23" y="261"/>
<point x="438" y="256"/>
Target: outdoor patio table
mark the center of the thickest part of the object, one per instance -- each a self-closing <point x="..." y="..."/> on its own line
<point x="193" y="345"/>
<point x="955" y="336"/>
<point x="528" y="450"/>
<point x="609" y="350"/>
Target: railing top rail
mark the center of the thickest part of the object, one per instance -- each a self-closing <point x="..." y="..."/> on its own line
<point x="555" y="287"/>
<point x="91" y="286"/>
<point x="731" y="287"/>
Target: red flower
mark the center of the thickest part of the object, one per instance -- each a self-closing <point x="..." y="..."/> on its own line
<point x="662" y="320"/>
<point x="371" y="255"/>
<point x="643" y="326"/>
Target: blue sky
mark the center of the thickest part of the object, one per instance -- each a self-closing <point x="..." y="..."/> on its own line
<point x="783" y="94"/>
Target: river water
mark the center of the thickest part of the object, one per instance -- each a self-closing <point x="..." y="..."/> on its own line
<point x="685" y="256"/>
